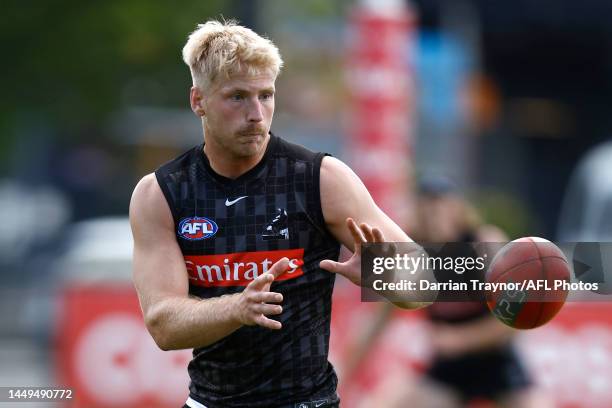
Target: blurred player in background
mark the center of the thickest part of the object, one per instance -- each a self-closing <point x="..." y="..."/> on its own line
<point x="473" y="359"/>
<point x="234" y="241"/>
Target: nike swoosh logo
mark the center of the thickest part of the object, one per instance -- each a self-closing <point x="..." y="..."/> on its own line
<point x="229" y="203"/>
<point x="319" y="404"/>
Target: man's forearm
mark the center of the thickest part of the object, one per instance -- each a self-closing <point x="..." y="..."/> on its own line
<point x="181" y="323"/>
<point x="411" y="305"/>
<point x="398" y="284"/>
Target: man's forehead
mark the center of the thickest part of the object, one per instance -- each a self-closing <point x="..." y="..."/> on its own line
<point x="252" y="82"/>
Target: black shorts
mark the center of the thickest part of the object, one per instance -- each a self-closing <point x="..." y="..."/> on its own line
<point x="481" y="375"/>
<point x="335" y="405"/>
<point x="331" y="404"/>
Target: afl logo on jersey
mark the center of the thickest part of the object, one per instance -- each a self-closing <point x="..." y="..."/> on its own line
<point x="196" y="228"/>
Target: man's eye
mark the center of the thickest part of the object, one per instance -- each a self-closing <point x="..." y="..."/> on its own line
<point x="236" y="97"/>
<point x="267" y="96"/>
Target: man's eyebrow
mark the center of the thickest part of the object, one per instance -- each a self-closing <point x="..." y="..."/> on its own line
<point x="244" y="90"/>
<point x="233" y="89"/>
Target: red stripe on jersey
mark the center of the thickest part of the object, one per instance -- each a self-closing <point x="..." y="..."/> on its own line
<point x="240" y="268"/>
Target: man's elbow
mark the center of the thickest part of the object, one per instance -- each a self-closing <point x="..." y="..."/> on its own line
<point x="155" y="322"/>
<point x="162" y="342"/>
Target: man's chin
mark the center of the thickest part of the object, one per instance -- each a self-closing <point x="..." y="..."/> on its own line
<point x="248" y="150"/>
<point x="248" y="146"/>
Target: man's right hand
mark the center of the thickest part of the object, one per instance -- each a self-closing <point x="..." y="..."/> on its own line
<point x="253" y="304"/>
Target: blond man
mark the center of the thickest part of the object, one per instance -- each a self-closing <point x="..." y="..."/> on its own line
<point x="235" y="239"/>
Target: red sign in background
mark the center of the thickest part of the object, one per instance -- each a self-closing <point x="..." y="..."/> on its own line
<point x="107" y="356"/>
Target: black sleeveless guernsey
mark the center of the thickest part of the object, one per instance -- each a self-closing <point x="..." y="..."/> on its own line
<point x="232" y="230"/>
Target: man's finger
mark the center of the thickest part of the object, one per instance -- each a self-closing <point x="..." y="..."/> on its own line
<point x="281" y="266"/>
<point x="330" y="266"/>
<point x="260" y="282"/>
<point x="267" y="297"/>
<point x="388" y="249"/>
<point x="356" y="233"/>
<point x="345" y="269"/>
<point x="378" y="235"/>
<point x="355" y="230"/>
<point x="263" y="321"/>
<point x="267" y="310"/>
<point x="367" y="232"/>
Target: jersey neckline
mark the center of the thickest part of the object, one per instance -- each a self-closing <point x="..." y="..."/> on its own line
<point x="250" y="174"/>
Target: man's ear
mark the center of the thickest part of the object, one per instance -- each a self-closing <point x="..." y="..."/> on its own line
<point x="196" y="100"/>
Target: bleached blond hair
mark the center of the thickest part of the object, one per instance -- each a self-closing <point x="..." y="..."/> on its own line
<point x="221" y="49"/>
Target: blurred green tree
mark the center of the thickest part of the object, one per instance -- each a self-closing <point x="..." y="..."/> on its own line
<point x="67" y="64"/>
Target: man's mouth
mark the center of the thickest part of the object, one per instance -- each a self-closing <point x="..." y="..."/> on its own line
<point x="251" y="135"/>
<point x="252" y="131"/>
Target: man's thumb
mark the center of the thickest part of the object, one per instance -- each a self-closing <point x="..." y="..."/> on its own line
<point x="329" y="265"/>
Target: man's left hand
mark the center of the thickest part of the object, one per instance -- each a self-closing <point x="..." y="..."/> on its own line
<point x="351" y="269"/>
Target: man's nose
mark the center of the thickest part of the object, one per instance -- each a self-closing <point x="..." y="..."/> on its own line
<point x="255" y="113"/>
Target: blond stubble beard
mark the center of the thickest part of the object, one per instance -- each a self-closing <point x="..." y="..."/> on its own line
<point x="236" y="149"/>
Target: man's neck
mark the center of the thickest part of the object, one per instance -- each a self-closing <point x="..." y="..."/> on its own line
<point x="231" y="166"/>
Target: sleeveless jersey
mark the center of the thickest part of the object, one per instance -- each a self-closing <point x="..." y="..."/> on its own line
<point x="232" y="230"/>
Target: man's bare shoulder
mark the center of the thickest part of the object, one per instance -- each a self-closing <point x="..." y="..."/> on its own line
<point x="148" y="204"/>
<point x="343" y="194"/>
<point x="335" y="174"/>
<point x="146" y="194"/>
<point x="339" y="180"/>
<point x="331" y="164"/>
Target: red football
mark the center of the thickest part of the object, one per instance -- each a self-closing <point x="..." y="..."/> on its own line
<point x="531" y="272"/>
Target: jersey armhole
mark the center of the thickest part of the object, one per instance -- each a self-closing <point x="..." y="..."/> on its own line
<point x="318" y="161"/>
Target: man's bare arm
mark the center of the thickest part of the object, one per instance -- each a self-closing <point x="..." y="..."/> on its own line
<point x="352" y="216"/>
<point x="174" y="319"/>
<point x="343" y="195"/>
